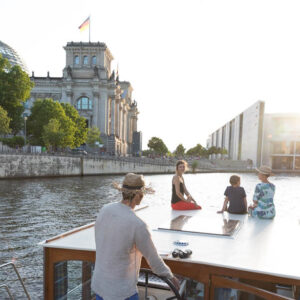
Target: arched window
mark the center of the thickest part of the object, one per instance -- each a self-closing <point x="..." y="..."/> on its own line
<point x="85" y="60"/>
<point x="76" y="60"/>
<point x="94" y="60"/>
<point x="84" y="103"/>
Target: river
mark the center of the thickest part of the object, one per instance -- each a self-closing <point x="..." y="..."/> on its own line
<point x="33" y="210"/>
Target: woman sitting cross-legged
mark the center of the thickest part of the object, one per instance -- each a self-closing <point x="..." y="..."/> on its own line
<point x="179" y="202"/>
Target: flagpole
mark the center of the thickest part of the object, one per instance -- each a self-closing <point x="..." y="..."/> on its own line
<point x="90" y="30"/>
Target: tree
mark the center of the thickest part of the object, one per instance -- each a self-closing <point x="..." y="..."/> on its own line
<point x="58" y="133"/>
<point x="194" y="165"/>
<point x="158" y="146"/>
<point x="198" y="150"/>
<point x="42" y="112"/>
<point x="180" y="150"/>
<point x="4" y="122"/>
<point x="81" y="129"/>
<point x="15" y="87"/>
<point x="93" y="136"/>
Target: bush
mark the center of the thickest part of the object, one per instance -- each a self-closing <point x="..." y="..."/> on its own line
<point x="16" y="141"/>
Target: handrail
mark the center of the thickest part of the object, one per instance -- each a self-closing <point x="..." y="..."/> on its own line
<point x="8" y="291"/>
<point x="19" y="277"/>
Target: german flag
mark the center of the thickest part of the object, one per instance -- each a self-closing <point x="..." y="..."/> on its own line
<point x="85" y="24"/>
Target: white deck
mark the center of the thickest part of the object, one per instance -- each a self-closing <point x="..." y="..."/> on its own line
<point x="262" y="246"/>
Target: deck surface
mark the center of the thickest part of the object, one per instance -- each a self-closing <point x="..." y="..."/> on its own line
<point x="262" y="246"/>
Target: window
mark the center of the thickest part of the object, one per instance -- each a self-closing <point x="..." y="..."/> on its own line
<point x="76" y="60"/>
<point x="84" y="103"/>
<point x="85" y="60"/>
<point x="94" y="60"/>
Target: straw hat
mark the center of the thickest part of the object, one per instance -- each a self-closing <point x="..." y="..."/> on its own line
<point x="266" y="170"/>
<point x="133" y="183"/>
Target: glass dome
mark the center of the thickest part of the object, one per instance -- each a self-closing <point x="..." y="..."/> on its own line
<point x="12" y="56"/>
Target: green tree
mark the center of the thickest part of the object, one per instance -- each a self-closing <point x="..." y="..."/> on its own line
<point x="198" y="150"/>
<point x="15" y="87"/>
<point x="194" y="165"/>
<point x="212" y="150"/>
<point x="42" y="112"/>
<point x="81" y="129"/>
<point x="180" y="150"/>
<point x="93" y="136"/>
<point x="58" y="133"/>
<point x="158" y="146"/>
<point x="4" y="122"/>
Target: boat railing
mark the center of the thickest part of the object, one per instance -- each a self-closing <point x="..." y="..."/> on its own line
<point x="8" y="291"/>
<point x="19" y="278"/>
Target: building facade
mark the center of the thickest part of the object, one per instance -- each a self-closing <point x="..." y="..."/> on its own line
<point x="242" y="136"/>
<point x="263" y="139"/>
<point x="89" y="84"/>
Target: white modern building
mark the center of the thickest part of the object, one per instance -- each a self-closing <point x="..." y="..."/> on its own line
<point x="94" y="89"/>
<point x="263" y="139"/>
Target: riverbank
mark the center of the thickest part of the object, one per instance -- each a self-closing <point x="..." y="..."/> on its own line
<point x="37" y="165"/>
<point x="20" y="166"/>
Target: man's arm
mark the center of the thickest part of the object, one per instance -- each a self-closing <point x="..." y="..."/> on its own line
<point x="144" y="243"/>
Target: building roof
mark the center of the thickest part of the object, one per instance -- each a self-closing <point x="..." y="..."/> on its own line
<point x="86" y="44"/>
<point x="12" y="56"/>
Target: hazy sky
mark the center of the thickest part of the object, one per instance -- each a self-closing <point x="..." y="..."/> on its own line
<point x="193" y="64"/>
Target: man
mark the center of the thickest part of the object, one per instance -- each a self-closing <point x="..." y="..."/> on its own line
<point x="122" y="238"/>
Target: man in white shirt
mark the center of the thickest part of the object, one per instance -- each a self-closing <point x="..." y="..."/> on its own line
<point x="122" y="238"/>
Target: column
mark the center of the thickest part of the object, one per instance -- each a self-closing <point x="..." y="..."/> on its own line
<point x="113" y="116"/>
<point x="102" y="112"/>
<point x="96" y="109"/>
<point x="118" y="117"/>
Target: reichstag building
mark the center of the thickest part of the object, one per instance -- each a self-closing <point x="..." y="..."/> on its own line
<point x="89" y="84"/>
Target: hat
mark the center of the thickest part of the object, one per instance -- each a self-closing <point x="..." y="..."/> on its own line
<point x="264" y="170"/>
<point x="133" y="183"/>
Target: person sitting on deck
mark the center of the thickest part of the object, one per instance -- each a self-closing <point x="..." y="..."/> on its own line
<point x="235" y="195"/>
<point x="122" y="238"/>
<point x="263" y="206"/>
<point x="179" y="190"/>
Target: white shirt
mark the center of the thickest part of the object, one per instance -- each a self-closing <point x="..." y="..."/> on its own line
<point x="122" y="238"/>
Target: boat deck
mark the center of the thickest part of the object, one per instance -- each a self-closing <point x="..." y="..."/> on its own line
<point x="265" y="250"/>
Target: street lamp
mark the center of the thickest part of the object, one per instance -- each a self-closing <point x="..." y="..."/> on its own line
<point x="25" y="119"/>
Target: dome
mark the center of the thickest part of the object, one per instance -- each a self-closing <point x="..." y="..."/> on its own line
<point x="12" y="56"/>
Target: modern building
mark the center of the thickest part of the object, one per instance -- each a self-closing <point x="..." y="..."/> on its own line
<point x="262" y="139"/>
<point x="12" y="56"/>
<point x="94" y="89"/>
<point x="137" y="143"/>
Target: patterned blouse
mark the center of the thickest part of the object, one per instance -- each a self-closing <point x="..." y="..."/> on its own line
<point x="264" y="194"/>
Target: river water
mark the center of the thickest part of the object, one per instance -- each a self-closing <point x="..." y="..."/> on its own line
<point x="33" y="210"/>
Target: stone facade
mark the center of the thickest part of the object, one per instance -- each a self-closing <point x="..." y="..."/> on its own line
<point x="242" y="136"/>
<point x="89" y="84"/>
<point x="265" y="139"/>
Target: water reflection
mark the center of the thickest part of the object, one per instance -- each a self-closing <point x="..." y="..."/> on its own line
<point x="37" y="209"/>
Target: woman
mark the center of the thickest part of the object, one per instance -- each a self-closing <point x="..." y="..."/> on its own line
<point x="179" y="190"/>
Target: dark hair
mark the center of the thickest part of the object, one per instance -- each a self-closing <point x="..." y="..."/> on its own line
<point x="234" y="179"/>
<point x="128" y="196"/>
<point x="181" y="162"/>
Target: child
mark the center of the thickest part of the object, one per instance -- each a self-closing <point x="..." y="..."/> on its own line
<point x="236" y="197"/>
<point x="263" y="206"/>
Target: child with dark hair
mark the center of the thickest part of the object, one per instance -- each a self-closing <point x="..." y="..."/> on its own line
<point x="235" y="195"/>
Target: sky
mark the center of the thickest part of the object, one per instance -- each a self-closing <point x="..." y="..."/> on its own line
<point x="194" y="64"/>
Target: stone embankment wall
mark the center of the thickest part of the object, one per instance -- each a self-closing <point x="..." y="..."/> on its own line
<point x="22" y="166"/>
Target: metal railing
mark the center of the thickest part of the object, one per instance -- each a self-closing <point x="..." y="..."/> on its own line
<point x="8" y="291"/>
<point x="19" y="278"/>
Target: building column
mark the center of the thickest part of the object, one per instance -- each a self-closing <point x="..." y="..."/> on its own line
<point x="117" y="128"/>
<point x="112" y="116"/>
<point x="96" y="110"/>
<point x="102" y="112"/>
<point x="69" y="98"/>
